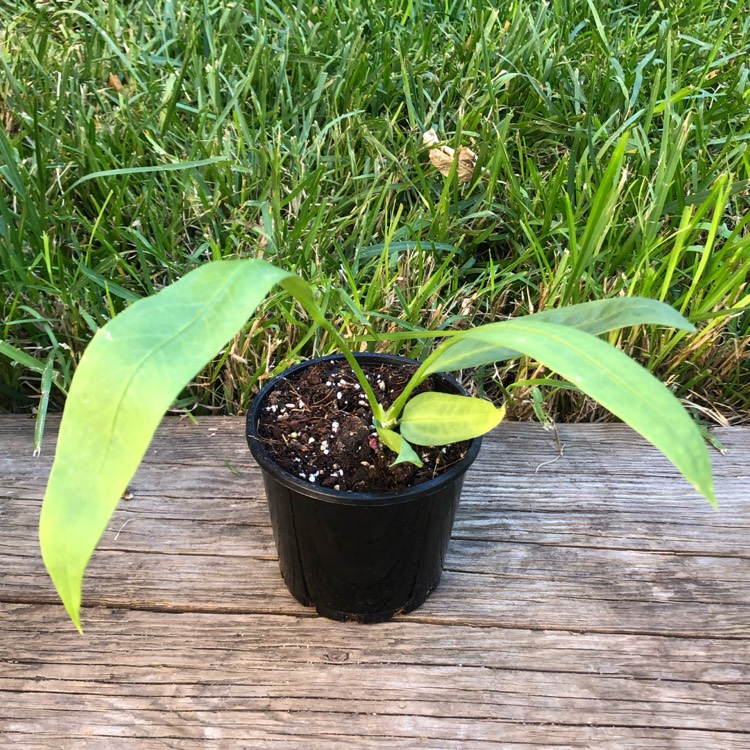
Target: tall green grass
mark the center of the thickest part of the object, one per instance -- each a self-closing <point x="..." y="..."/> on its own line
<point x="141" y="139"/>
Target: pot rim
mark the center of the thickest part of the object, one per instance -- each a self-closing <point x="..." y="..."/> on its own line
<point x="346" y="497"/>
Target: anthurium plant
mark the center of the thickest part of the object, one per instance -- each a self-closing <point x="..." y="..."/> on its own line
<point x="135" y="367"/>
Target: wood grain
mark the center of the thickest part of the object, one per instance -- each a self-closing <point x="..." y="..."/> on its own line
<point x="590" y="600"/>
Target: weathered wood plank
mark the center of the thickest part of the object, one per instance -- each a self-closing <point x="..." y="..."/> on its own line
<point x="591" y="602"/>
<point x="199" y="538"/>
<point x="126" y="637"/>
<point x="239" y="677"/>
<point x="604" y="468"/>
<point x="289" y="730"/>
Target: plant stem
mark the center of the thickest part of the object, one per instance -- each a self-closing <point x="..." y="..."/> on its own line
<point x="302" y="292"/>
<point x="377" y="410"/>
<point x="391" y="416"/>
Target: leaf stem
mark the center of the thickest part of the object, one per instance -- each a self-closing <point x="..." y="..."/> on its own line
<point x="391" y="416"/>
<point x="302" y="292"/>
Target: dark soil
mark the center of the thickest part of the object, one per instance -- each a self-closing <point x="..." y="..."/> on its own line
<point x="318" y="426"/>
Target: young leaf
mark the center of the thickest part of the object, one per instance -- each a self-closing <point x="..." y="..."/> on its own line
<point x="130" y="374"/>
<point x="398" y="445"/>
<point x="596" y="317"/>
<point x="440" y="418"/>
<point x="617" y="382"/>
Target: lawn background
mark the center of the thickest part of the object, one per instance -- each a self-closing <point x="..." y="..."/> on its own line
<point x="141" y="139"/>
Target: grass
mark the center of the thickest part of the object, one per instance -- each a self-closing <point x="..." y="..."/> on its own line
<point x="140" y="139"/>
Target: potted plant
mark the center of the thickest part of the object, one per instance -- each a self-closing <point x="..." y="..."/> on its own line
<point x="135" y="366"/>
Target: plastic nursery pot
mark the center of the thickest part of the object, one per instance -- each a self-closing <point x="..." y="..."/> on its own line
<point x="360" y="556"/>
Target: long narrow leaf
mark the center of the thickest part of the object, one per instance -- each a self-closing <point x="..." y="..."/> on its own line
<point x="41" y="412"/>
<point x="21" y="357"/>
<point x="596" y="317"/>
<point x="130" y="374"/>
<point x="617" y="382"/>
<point x="600" y="220"/>
<point x="173" y="167"/>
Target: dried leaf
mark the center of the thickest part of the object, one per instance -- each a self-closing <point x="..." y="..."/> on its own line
<point x="430" y="138"/>
<point x="115" y="82"/>
<point x="10" y="125"/>
<point x="442" y="157"/>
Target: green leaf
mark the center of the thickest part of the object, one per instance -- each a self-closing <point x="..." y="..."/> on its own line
<point x="41" y="414"/>
<point x="171" y="167"/>
<point x="404" y="246"/>
<point x="617" y="382"/>
<point x="596" y="317"/>
<point x="440" y="418"/>
<point x="130" y="374"/>
<point x="20" y="357"/>
<point x="398" y="445"/>
<point x="601" y="216"/>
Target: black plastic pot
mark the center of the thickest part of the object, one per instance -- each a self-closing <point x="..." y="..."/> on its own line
<point x="353" y="555"/>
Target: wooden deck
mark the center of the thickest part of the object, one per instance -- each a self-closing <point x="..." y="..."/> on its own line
<point x="591" y="600"/>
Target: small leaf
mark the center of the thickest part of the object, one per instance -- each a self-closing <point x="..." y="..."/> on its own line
<point x="394" y="441"/>
<point x="596" y="317"/>
<point x="441" y="418"/>
<point x="537" y="403"/>
<point x="714" y="441"/>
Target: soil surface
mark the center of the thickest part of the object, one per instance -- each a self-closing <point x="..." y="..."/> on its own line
<point x="318" y="426"/>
